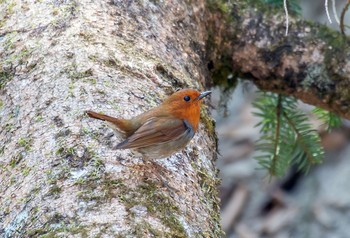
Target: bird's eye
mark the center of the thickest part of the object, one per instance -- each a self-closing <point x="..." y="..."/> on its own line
<point x="187" y="98"/>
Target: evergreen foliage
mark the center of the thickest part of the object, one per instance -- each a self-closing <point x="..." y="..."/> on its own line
<point x="330" y="119"/>
<point x="287" y="136"/>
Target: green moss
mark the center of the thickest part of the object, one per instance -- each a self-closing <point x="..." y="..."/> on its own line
<point x="9" y="127"/>
<point x="336" y="45"/>
<point x="80" y="74"/>
<point x="8" y="11"/>
<point x="157" y="204"/>
<point x="16" y="159"/>
<point x="54" y="190"/>
<point x="219" y="5"/>
<point x="93" y="81"/>
<point x="343" y="90"/>
<point x="208" y="122"/>
<point x="61" y="172"/>
<point x="330" y="76"/>
<point x="74" y="74"/>
<point x="154" y="232"/>
<point x="14" y="56"/>
<point x="25" y="143"/>
<point x="53" y="177"/>
<point x="62" y="133"/>
<point x="22" y="55"/>
<point x="91" y="133"/>
<point x="336" y="52"/>
<point x="220" y="53"/>
<point x="13" y="180"/>
<point x="9" y="41"/>
<point x="66" y="152"/>
<point x="4" y="78"/>
<point x="94" y="185"/>
<point x="2" y="150"/>
<point x="220" y="62"/>
<point x="10" y="7"/>
<point x="87" y="36"/>
<point x="39" y="118"/>
<point x="55" y="226"/>
<point x="71" y="88"/>
<point x="55" y="11"/>
<point x="37" y="232"/>
<point x="26" y="171"/>
<point x="166" y="73"/>
<point x="142" y="229"/>
<point x="332" y="37"/>
<point x="93" y="58"/>
<point x="63" y="12"/>
<point x="109" y="187"/>
<point x="34" y="192"/>
<point x="99" y="187"/>
<point x="223" y="74"/>
<point x="209" y="186"/>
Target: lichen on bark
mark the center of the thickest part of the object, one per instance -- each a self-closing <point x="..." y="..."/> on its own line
<point x="60" y="175"/>
<point x="311" y="63"/>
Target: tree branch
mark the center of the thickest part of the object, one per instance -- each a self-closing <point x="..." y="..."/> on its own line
<point x="312" y="63"/>
<point x="277" y="135"/>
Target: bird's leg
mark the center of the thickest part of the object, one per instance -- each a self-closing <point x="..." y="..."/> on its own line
<point x="161" y="174"/>
<point x="151" y="169"/>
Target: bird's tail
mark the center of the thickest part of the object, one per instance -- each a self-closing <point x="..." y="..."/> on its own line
<point x="102" y="117"/>
<point x="116" y="123"/>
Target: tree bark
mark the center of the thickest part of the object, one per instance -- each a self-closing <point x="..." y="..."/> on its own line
<point x="60" y="176"/>
<point x="311" y="63"/>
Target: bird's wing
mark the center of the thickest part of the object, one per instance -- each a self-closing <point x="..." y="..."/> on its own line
<point x="157" y="130"/>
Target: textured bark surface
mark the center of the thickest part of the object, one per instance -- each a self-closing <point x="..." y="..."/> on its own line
<point x="312" y="63"/>
<point x="60" y="176"/>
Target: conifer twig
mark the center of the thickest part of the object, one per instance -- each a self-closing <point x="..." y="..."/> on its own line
<point x="300" y="138"/>
<point x="277" y="134"/>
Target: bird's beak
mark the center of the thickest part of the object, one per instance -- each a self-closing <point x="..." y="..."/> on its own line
<point x="202" y="95"/>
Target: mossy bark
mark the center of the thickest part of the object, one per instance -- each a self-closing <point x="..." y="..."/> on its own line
<point x="60" y="176"/>
<point x="311" y="63"/>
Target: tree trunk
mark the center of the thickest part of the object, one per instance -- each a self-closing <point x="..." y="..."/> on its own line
<point x="60" y="176"/>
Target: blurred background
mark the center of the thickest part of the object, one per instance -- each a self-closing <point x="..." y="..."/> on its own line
<point x="253" y="205"/>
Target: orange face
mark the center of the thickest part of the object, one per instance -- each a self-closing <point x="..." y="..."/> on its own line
<point x="185" y="104"/>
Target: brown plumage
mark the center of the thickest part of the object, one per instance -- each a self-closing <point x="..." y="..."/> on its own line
<point x="163" y="130"/>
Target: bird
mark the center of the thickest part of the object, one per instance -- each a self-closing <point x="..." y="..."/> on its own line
<point x="163" y="130"/>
